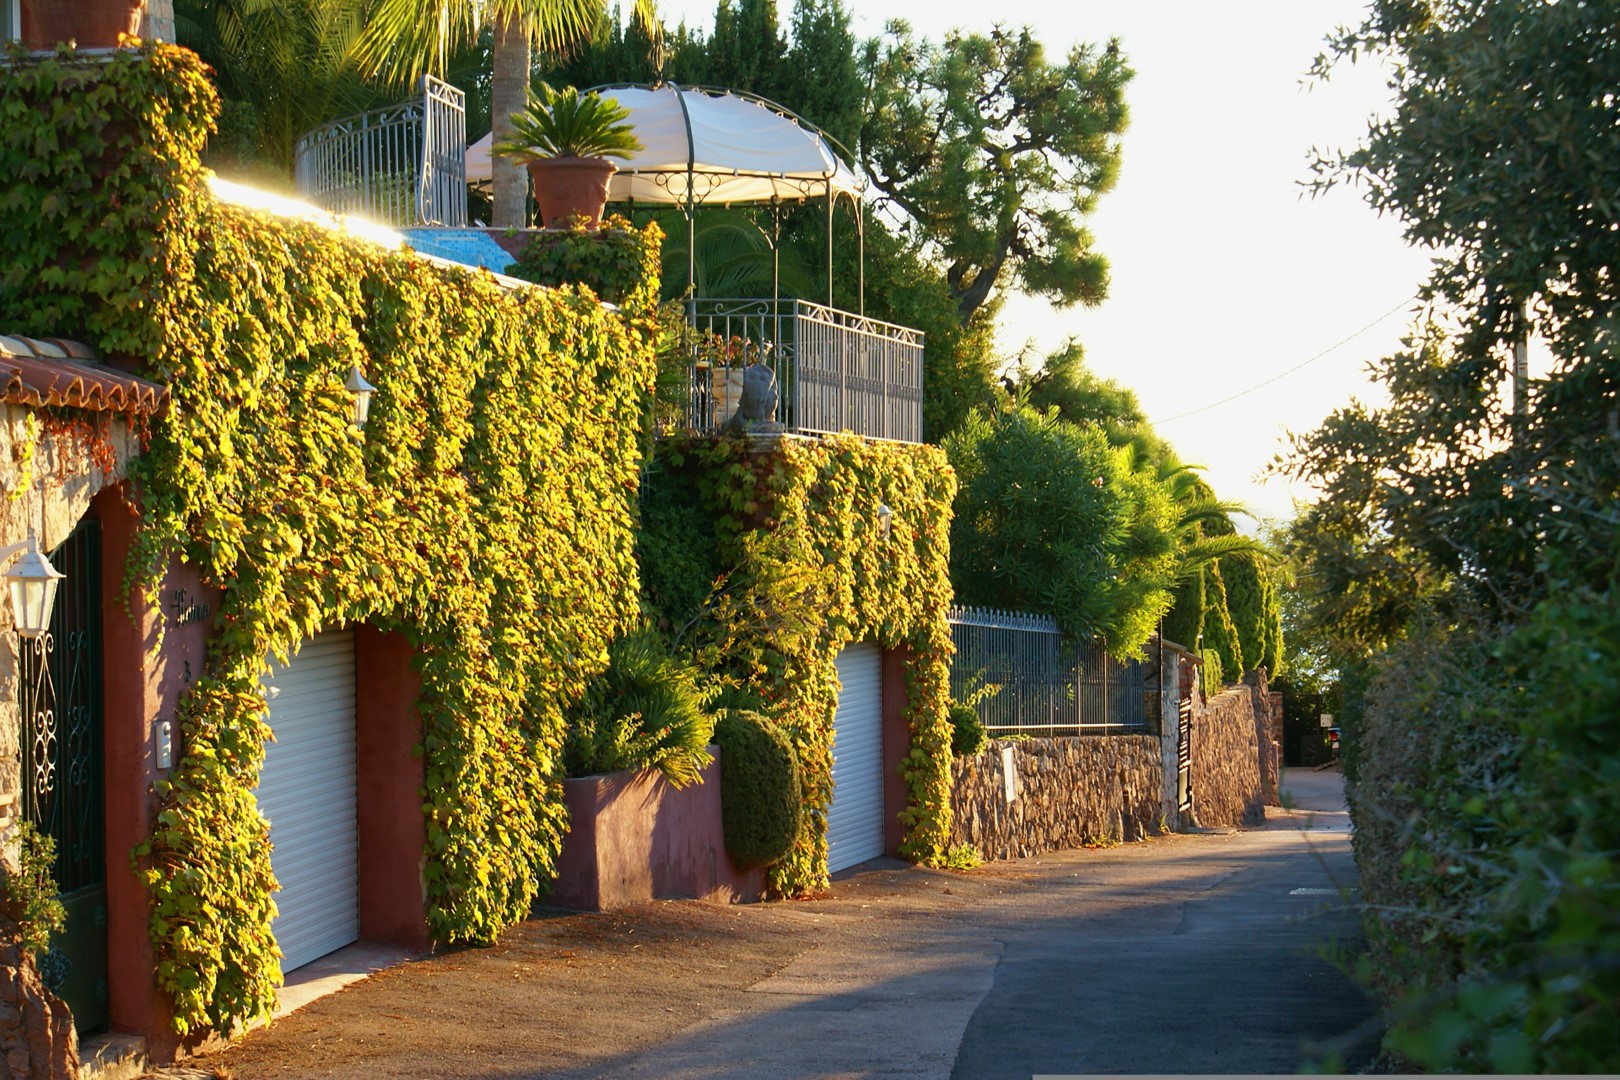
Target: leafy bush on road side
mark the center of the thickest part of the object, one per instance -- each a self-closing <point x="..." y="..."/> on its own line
<point x="1485" y="832"/>
<point x="1049" y="517"/>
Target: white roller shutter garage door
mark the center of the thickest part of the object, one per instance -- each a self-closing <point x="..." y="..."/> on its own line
<point x="855" y="820"/>
<point x="307" y="791"/>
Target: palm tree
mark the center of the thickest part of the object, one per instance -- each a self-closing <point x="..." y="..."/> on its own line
<point x="404" y="38"/>
<point x="287" y="61"/>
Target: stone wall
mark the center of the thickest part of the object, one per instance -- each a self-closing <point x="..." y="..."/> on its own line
<point x="1268" y="729"/>
<point x="1067" y="792"/>
<point x="1226" y="782"/>
<point x="37" y="1041"/>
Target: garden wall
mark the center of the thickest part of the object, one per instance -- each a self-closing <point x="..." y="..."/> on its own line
<point x="1067" y="792"/>
<point x="634" y="837"/>
<point x="1227" y="784"/>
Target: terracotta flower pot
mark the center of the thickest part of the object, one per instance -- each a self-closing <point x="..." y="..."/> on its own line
<point x="93" y="24"/>
<point x="571" y="187"/>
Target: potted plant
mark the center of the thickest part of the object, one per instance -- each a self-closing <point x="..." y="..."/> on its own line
<point x="564" y="137"/>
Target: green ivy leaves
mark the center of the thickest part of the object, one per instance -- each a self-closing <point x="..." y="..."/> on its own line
<point x="486" y="512"/>
<point x="811" y="573"/>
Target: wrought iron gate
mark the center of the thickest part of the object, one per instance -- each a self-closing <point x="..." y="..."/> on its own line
<point x="404" y="165"/>
<point x="1184" y="713"/>
<point x="62" y="775"/>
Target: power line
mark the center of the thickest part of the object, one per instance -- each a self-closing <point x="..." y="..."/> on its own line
<point x="1297" y="367"/>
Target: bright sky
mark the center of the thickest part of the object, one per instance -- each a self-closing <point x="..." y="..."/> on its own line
<point x="1224" y="276"/>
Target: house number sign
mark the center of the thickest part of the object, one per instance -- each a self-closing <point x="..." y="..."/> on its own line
<point x="186" y="609"/>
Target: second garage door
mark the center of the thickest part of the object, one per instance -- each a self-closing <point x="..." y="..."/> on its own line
<point x="307" y="791"/>
<point x="855" y="820"/>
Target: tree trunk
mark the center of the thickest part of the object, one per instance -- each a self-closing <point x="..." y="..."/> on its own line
<point x="509" y="93"/>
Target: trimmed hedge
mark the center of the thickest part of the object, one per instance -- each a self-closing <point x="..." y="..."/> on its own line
<point x="761" y="800"/>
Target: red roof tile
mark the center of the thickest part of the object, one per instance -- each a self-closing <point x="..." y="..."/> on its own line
<point x="65" y="373"/>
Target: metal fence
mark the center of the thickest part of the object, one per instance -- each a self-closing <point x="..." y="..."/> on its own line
<point x="835" y="371"/>
<point x="403" y="165"/>
<point x="1046" y="686"/>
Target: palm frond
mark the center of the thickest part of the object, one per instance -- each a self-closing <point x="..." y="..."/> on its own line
<point x="1207" y="549"/>
<point x="405" y="38"/>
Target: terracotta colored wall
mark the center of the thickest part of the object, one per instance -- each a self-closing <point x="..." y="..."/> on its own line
<point x="896" y="745"/>
<point x="633" y="837"/>
<point x="393" y="831"/>
<point x="142" y="685"/>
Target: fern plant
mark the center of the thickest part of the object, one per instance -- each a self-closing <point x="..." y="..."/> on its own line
<point x="566" y="123"/>
<point x="646" y="711"/>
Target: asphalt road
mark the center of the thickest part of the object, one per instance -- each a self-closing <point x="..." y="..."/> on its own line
<point x="1227" y="970"/>
<point x="1189" y="954"/>
<point x="1198" y="953"/>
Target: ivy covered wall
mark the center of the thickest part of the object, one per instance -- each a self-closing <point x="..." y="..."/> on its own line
<point x="485" y="511"/>
<point x="767" y="556"/>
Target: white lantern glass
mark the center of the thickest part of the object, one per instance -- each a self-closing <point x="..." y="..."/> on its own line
<point x="362" y="391"/>
<point x="33" y="580"/>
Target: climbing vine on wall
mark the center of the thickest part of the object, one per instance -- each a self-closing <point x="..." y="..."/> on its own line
<point x="485" y="512"/>
<point x="805" y="571"/>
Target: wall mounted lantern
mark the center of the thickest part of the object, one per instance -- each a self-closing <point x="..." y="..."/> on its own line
<point x="33" y="582"/>
<point x="362" y="392"/>
<point x="885" y="520"/>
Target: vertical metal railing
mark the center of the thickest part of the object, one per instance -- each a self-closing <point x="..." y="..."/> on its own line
<point x="442" y="193"/>
<point x="835" y="371"/>
<point x="402" y="165"/>
<point x="1044" y="686"/>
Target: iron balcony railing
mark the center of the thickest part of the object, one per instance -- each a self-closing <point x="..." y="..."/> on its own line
<point x="1044" y="686"/>
<point x="835" y="371"/>
<point x="404" y="165"/>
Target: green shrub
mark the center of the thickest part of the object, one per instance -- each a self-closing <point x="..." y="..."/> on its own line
<point x="1251" y="601"/>
<point x="1485" y="839"/>
<point x="760" y="797"/>
<point x="28" y="897"/>
<point x="1220" y="635"/>
<point x="675" y="546"/>
<point x="1051" y="518"/>
<point x="967" y="730"/>
<point x="618" y="262"/>
<point x="646" y="711"/>
<point x="1213" y="677"/>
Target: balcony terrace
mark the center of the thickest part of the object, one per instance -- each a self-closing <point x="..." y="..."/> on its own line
<point x="837" y="371"/>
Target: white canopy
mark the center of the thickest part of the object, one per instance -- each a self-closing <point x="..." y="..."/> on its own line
<point x="727" y="148"/>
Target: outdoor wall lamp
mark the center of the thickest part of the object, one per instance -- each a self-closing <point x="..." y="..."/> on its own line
<point x="362" y="392"/>
<point x="885" y="520"/>
<point x="33" y="582"/>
